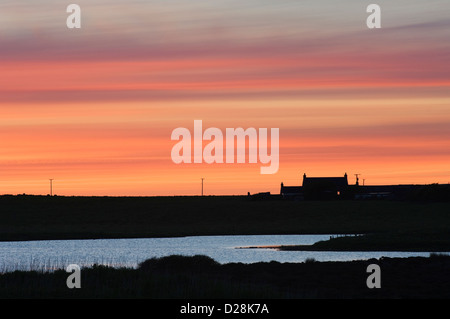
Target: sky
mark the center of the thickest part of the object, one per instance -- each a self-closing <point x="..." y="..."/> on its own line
<point x="94" y="108"/>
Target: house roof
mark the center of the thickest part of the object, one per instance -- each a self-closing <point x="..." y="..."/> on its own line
<point x="290" y="189"/>
<point x="329" y="181"/>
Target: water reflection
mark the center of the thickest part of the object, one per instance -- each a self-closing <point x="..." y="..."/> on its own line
<point x="52" y="254"/>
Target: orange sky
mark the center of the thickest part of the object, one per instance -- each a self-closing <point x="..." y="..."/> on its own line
<point x="94" y="108"/>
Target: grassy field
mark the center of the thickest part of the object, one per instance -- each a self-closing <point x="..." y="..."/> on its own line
<point x="416" y="224"/>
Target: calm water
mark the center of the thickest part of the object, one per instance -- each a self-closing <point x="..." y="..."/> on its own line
<point x="129" y="252"/>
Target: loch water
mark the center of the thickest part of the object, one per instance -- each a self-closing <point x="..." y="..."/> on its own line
<point x="53" y="254"/>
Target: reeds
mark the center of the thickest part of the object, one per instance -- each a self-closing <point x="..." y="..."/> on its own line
<point x="41" y="265"/>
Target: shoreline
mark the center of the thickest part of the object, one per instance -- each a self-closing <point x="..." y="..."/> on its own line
<point x="312" y="248"/>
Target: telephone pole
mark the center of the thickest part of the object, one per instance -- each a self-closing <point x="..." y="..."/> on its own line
<point x="202" y="185"/>
<point x="51" y="186"/>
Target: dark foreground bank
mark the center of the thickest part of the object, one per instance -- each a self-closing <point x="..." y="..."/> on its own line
<point x="177" y="277"/>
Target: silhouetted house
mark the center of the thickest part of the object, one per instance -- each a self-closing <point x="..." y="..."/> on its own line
<point x="292" y="192"/>
<point x="263" y="196"/>
<point x="325" y="187"/>
<point x="318" y="188"/>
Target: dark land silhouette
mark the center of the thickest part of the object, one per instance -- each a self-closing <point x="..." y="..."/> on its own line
<point x="421" y="221"/>
<point x="418" y="220"/>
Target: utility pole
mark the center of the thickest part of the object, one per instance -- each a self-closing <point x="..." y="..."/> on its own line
<point x="357" y="179"/>
<point x="51" y="186"/>
<point x="202" y="185"/>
